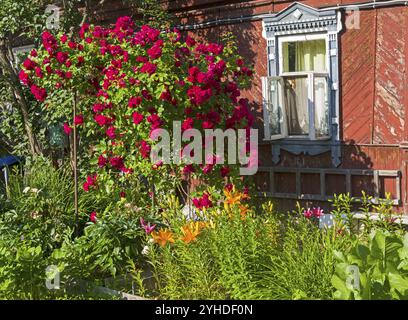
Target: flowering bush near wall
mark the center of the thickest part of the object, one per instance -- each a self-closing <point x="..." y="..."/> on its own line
<point x="130" y="82"/>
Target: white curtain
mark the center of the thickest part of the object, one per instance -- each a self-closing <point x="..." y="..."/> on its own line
<point x="308" y="56"/>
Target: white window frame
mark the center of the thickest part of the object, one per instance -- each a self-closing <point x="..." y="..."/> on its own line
<point x="311" y="90"/>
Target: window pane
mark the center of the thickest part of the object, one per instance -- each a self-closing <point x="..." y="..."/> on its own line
<point x="275" y="107"/>
<point x="321" y="107"/>
<point x="300" y="56"/>
<point x="296" y="103"/>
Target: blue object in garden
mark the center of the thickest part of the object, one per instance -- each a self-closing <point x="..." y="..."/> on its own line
<point x="5" y="163"/>
<point x="9" y="161"/>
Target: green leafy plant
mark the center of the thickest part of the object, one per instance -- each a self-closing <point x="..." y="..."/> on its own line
<point x="380" y="269"/>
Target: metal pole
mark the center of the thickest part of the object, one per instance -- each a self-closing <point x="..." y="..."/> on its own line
<point x="75" y="165"/>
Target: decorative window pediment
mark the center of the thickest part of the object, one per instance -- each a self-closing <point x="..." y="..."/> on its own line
<point x="299" y="18"/>
<point x="300" y="92"/>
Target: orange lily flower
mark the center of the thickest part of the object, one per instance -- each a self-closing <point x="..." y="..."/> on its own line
<point x="244" y="211"/>
<point x="232" y="198"/>
<point x="190" y="232"/>
<point x="162" y="237"/>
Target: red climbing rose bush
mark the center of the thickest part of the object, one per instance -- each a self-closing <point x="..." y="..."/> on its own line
<point x="129" y="81"/>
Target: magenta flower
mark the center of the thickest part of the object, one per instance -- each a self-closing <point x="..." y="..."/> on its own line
<point x="203" y="202"/>
<point x="39" y="93"/>
<point x="317" y="212"/>
<point x="79" y="119"/>
<point x="111" y="132"/>
<point x="23" y="77"/>
<point x="146" y="226"/>
<point x="308" y="213"/>
<point x="137" y="118"/>
<point x="29" y="64"/>
<point x="102" y="161"/>
<point x="92" y="217"/>
<point x="67" y="129"/>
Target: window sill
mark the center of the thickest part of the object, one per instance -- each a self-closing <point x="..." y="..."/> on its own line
<point x="296" y="140"/>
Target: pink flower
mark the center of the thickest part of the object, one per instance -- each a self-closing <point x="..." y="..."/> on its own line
<point x="117" y="162"/>
<point x="92" y="217"/>
<point x="67" y="129"/>
<point x="110" y="132"/>
<point x="229" y="187"/>
<point x="102" y="120"/>
<point x="215" y="48"/>
<point x="79" y="119"/>
<point x="61" y="57"/>
<point x="155" y="121"/>
<point x="187" y="124"/>
<point x="317" y="212"/>
<point x="137" y="118"/>
<point x="165" y="96"/>
<point x="146" y="95"/>
<point x="134" y="102"/>
<point x="39" y="73"/>
<point x="198" y="95"/>
<point x="146" y="226"/>
<point x="155" y="51"/>
<point x="39" y="93"/>
<point x="225" y="171"/>
<point x="64" y="38"/>
<point x="80" y="61"/>
<point x="23" y="76"/>
<point x="308" y="213"/>
<point x="124" y="24"/>
<point x="208" y="168"/>
<point x="203" y="202"/>
<point x="72" y="44"/>
<point x="90" y="182"/>
<point x="149" y="68"/>
<point x="83" y="30"/>
<point x="102" y="161"/>
<point x="190" y="42"/>
<point x="188" y="169"/>
<point x="48" y="41"/>
<point x="144" y="149"/>
<point x="207" y="125"/>
<point x="29" y="64"/>
<point x="157" y="165"/>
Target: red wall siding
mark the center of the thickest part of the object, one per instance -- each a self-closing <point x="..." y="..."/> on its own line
<point x="357" y="53"/>
<point x="390" y="71"/>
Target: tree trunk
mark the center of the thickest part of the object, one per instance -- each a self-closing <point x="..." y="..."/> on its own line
<point x="11" y="73"/>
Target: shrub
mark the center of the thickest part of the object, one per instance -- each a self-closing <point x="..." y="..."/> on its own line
<point x="382" y="269"/>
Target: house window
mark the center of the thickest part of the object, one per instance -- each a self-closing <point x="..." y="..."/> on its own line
<point x="297" y="100"/>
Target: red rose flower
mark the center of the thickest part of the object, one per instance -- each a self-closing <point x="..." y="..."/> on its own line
<point x="137" y="118"/>
<point x="67" y="129"/>
<point x="79" y="119"/>
<point x="110" y="132"/>
<point x="61" y="57"/>
<point x="92" y="217"/>
<point x="149" y="68"/>
<point x="29" y="64"/>
<point x="39" y="93"/>
<point x="134" y="102"/>
<point x="23" y="76"/>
